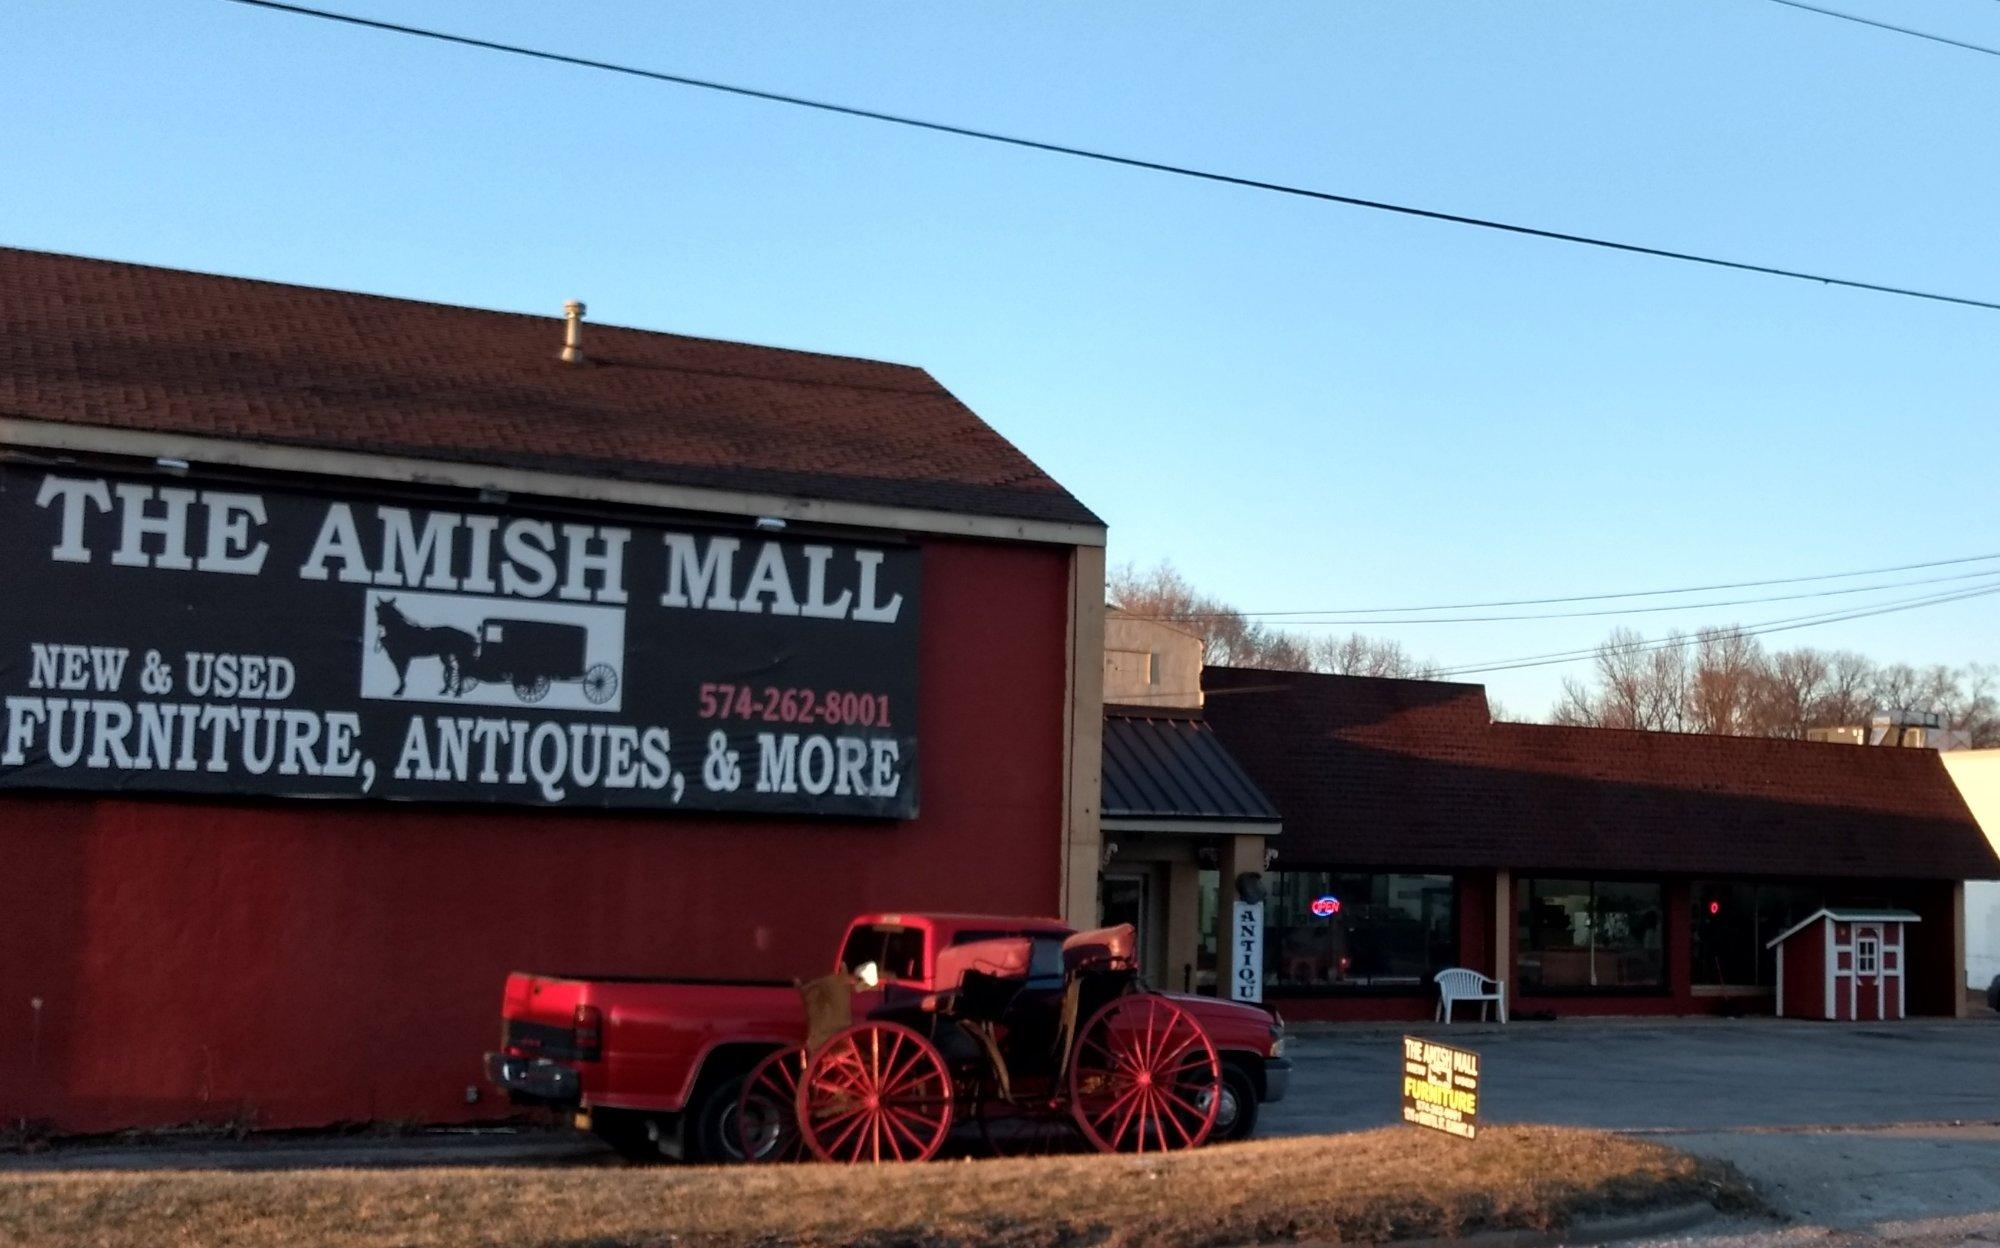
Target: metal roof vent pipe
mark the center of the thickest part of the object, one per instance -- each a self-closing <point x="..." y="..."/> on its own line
<point x="572" y="352"/>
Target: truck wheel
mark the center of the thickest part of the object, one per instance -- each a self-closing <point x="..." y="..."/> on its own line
<point x="1237" y="1116"/>
<point x="713" y="1138"/>
<point x="629" y="1135"/>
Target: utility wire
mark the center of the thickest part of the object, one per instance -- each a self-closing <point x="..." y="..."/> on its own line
<point x="1780" y="625"/>
<point x="1579" y="615"/>
<point x="1130" y="162"/>
<point x="1901" y="30"/>
<point x="1636" y="593"/>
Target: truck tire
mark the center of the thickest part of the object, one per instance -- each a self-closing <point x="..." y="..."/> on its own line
<point x="1237" y="1118"/>
<point x="712" y="1138"/>
<point x="630" y="1135"/>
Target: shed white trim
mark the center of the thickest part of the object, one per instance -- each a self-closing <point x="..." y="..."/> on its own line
<point x="1845" y="916"/>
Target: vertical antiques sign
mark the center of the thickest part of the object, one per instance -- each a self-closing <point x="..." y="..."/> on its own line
<point x="1440" y="1087"/>
<point x="167" y="634"/>
<point x="1246" y="973"/>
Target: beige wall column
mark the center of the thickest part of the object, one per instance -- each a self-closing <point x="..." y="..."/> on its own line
<point x="1083" y="716"/>
<point x="1239" y="854"/>
<point x="1503" y="930"/>
<point x="1183" y="922"/>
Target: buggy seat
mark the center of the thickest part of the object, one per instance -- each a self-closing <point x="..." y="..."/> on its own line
<point x="1102" y="948"/>
<point x="980" y="977"/>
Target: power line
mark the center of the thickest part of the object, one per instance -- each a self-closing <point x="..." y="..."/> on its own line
<point x="1780" y="625"/>
<point x="1618" y="611"/>
<point x="1635" y="593"/>
<point x="1901" y="30"/>
<point x="1556" y="660"/>
<point x="1130" y="162"/>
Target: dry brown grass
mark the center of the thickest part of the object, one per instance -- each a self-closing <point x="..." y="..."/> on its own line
<point x="1378" y="1185"/>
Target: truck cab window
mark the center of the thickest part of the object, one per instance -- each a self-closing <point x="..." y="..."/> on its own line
<point x="897" y="952"/>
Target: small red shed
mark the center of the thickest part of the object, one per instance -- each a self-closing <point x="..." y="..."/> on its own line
<point x="1845" y="965"/>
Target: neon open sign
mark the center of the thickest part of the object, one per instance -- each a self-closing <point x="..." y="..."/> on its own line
<point x="1325" y="907"/>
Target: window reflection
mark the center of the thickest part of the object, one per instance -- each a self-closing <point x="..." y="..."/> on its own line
<point x="1387" y="932"/>
<point x="1591" y="935"/>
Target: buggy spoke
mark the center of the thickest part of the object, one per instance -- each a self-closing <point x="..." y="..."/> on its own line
<point x="1199" y="1061"/>
<point x="896" y="1124"/>
<point x="1118" y="1132"/>
<point x="896" y="1076"/>
<point x="1189" y="1106"/>
<point x="1187" y="1136"/>
<point x="1121" y="1060"/>
<point x="1179" y="1049"/>
<point x="834" y="1145"/>
<point x="1112" y="1107"/>
<point x="900" y="1115"/>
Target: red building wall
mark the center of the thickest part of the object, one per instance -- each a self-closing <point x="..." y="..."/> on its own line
<point x="300" y="963"/>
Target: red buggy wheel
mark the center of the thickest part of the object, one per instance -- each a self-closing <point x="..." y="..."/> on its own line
<point x="767" y="1111"/>
<point x="875" y="1092"/>
<point x="1144" y="1077"/>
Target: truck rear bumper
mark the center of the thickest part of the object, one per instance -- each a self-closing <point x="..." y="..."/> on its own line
<point x="535" y="1080"/>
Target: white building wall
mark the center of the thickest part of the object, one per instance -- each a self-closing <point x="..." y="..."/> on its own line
<point x="1977" y="774"/>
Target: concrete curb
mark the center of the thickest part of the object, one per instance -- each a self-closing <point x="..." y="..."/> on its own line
<point x="1671" y="1220"/>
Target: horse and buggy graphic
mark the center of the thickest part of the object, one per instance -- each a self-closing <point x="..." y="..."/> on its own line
<point x="530" y="655"/>
<point x="1047" y="1045"/>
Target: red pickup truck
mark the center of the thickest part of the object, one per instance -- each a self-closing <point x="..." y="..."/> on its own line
<point x="656" y="1066"/>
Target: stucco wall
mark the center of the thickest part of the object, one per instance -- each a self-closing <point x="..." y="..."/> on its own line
<point x="1977" y="774"/>
<point x="1150" y="663"/>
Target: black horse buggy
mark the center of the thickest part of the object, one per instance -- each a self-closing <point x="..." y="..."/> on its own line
<point x="532" y="654"/>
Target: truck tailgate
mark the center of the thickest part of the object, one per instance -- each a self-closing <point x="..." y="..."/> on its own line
<point x="651" y="1033"/>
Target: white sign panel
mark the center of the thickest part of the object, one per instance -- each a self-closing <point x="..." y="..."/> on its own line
<point x="1246" y="962"/>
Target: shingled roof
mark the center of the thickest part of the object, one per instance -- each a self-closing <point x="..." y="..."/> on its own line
<point x="125" y="346"/>
<point x="1404" y="773"/>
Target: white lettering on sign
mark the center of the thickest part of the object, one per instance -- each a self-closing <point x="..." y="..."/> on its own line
<point x="702" y="575"/>
<point x="576" y="562"/>
<point x="1246" y="957"/>
<point x="153" y="525"/>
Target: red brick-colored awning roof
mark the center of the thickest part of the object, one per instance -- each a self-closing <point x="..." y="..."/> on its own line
<point x="1401" y="773"/>
<point x="126" y="346"/>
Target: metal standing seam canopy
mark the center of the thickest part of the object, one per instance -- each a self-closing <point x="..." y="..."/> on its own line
<point x="1171" y="773"/>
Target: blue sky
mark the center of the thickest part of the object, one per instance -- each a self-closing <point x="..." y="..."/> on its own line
<point x="1304" y="406"/>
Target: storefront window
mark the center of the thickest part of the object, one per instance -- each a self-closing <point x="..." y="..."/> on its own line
<point x="1384" y="932"/>
<point x="1733" y="921"/>
<point x="1591" y="936"/>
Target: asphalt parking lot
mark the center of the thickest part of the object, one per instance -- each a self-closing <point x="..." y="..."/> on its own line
<point x="1679" y="1075"/>
<point x="1840" y="1126"/>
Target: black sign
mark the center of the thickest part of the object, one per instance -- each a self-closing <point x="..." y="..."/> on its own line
<point x="1440" y="1087"/>
<point x="173" y="635"/>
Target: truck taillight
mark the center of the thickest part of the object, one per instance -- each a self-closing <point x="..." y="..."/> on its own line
<point x="588" y="1032"/>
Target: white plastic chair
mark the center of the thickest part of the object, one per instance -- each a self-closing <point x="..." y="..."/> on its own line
<point x="1459" y="984"/>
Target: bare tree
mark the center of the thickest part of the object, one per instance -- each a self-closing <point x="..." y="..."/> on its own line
<point x="1231" y="638"/>
<point x="1359" y="655"/>
<point x="1722" y="681"/>
<point x="1794" y="684"/>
